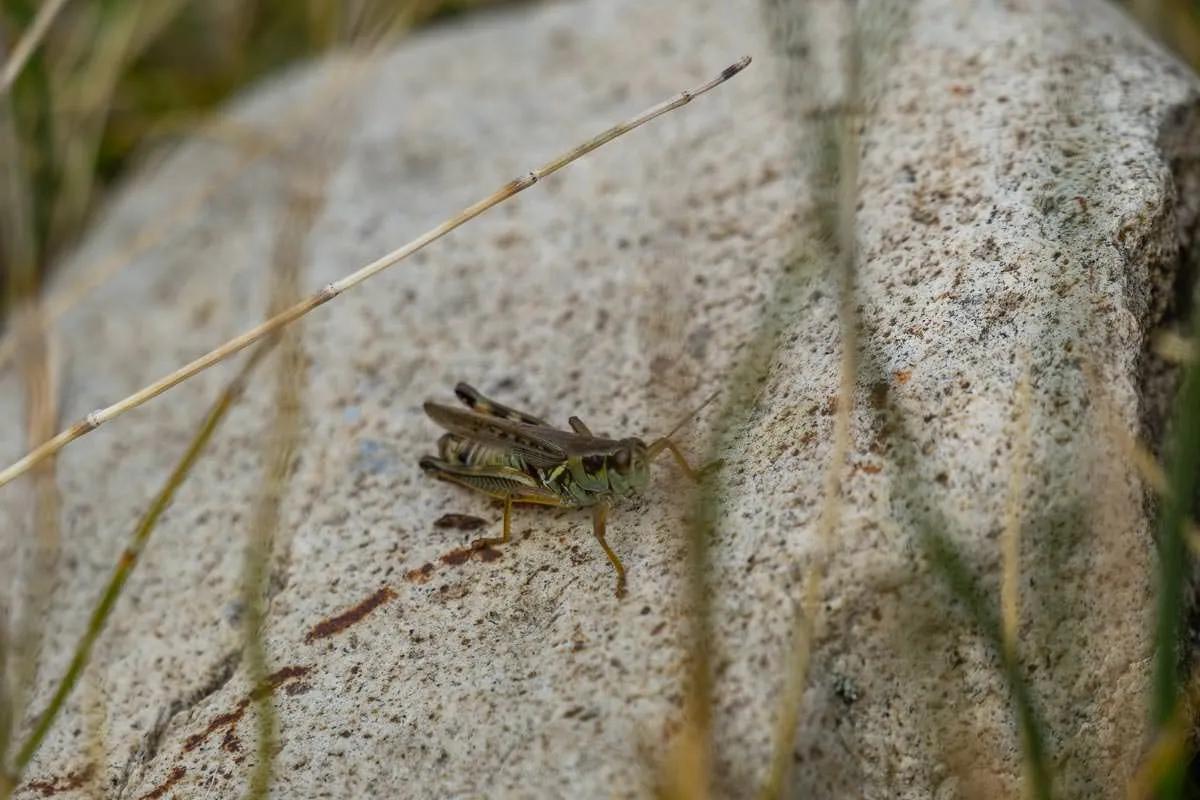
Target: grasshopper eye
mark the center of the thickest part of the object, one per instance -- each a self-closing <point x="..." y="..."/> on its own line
<point x="622" y="459"/>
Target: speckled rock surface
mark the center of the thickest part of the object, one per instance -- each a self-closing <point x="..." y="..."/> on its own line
<point x="1018" y="206"/>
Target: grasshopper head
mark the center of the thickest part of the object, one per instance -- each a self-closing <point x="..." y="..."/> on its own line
<point x="629" y="467"/>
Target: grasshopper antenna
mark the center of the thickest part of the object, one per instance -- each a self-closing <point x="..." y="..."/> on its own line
<point x="665" y="443"/>
<point x="691" y="415"/>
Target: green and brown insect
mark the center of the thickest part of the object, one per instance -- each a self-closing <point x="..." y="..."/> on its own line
<point x="519" y="458"/>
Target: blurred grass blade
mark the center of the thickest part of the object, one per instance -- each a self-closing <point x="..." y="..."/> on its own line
<point x="7" y="717"/>
<point x="949" y="564"/>
<point x="39" y="375"/>
<point x="28" y="43"/>
<point x="18" y="249"/>
<point x="1010" y="539"/>
<point x="1183" y="466"/>
<point x="81" y="99"/>
<point x="279" y="446"/>
<point x="129" y="558"/>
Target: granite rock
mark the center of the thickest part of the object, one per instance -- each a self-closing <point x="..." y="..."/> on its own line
<point x="1020" y="212"/>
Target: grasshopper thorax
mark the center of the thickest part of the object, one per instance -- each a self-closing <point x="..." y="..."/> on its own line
<point x="622" y="470"/>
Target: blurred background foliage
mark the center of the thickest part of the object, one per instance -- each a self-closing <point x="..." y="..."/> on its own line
<point x="108" y="75"/>
<point x="1175" y="22"/>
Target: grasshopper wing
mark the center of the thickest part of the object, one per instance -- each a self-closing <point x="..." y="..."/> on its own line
<point x="527" y="441"/>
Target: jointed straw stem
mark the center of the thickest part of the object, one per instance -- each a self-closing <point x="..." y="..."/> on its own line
<point x="97" y="418"/>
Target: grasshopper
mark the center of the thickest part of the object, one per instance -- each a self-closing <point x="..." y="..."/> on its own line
<point x="519" y="458"/>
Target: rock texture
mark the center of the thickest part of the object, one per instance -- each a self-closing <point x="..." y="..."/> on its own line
<point x="1021" y="169"/>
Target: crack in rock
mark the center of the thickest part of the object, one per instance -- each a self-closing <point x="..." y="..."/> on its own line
<point x="148" y="749"/>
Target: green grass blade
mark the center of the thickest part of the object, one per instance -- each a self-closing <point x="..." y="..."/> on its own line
<point x="1183" y="469"/>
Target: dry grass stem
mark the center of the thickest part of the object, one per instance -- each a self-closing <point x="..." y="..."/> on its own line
<point x="97" y="418"/>
<point x="1174" y="348"/>
<point x="29" y="42"/>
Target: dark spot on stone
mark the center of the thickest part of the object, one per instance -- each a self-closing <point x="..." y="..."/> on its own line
<point x="879" y="394"/>
<point x="460" y="522"/>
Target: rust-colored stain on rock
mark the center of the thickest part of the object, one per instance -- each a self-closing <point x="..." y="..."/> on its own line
<point x="230" y="720"/>
<point x="164" y="787"/>
<point x="463" y="554"/>
<point x="420" y="574"/>
<point x="347" y="618"/>
<point x="456" y="557"/>
<point x="218" y="722"/>
<point x="488" y="554"/>
<point x="72" y="780"/>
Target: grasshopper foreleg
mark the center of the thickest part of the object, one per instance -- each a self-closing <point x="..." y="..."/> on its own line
<point x="599" y="516"/>
<point x="694" y="474"/>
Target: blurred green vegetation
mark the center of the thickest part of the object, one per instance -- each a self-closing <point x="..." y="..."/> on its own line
<point x="1175" y="22"/>
<point x="109" y="74"/>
